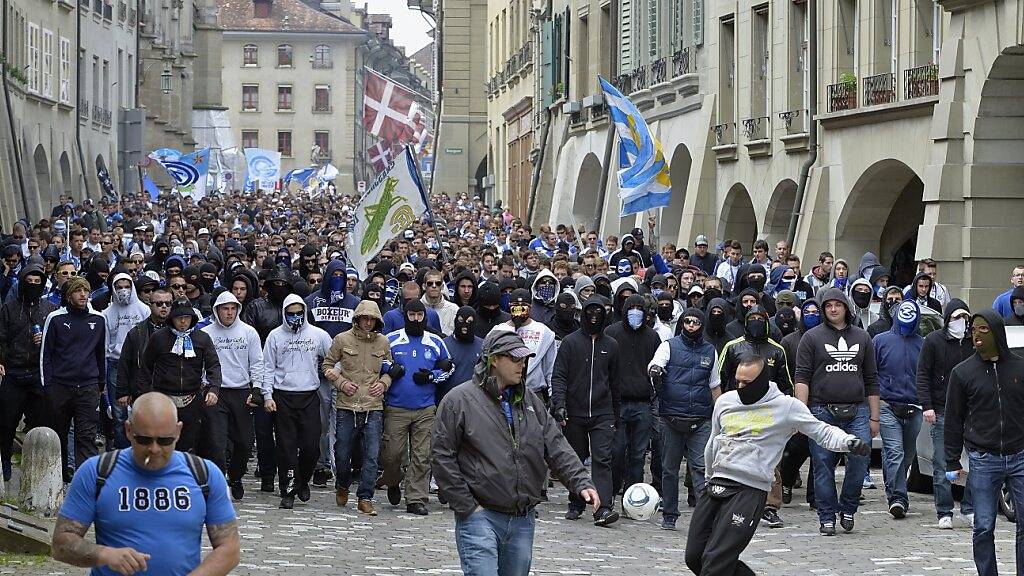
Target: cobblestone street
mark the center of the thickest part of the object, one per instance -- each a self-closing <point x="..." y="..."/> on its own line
<point x="319" y="539"/>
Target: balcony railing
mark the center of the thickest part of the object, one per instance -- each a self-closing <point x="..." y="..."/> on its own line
<point x="640" y="78"/>
<point x="756" y="128"/>
<point x="724" y="134"/>
<point x="659" y="71"/>
<point x="842" y="96"/>
<point x="681" y="62"/>
<point x="879" y="89"/>
<point x="322" y="108"/>
<point x="794" y="121"/>
<point x="101" y="116"/>
<point x="921" y="81"/>
<point x="83" y="108"/>
<point x="624" y="83"/>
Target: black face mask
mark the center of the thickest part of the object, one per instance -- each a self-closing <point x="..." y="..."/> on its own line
<point x="861" y="299"/>
<point x="716" y="324"/>
<point x="665" y="313"/>
<point x="593" y="319"/>
<point x="464" y="327"/>
<point x="563" y="312"/>
<point x="755" y="389"/>
<point x="415" y="328"/>
<point x="712" y="293"/>
<point x="786" y="326"/>
<point x="693" y="336"/>
<point x="891" y="307"/>
<point x="277" y="292"/>
<point x="30" y="293"/>
<point x="207" y="284"/>
<point x="488" y="313"/>
<point x="757" y="283"/>
<point x="757" y="329"/>
<point x="604" y="290"/>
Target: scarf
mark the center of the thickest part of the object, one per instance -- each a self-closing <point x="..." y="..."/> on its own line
<point x="183" y="344"/>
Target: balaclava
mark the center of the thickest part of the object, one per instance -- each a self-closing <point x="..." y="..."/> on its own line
<point x="694" y="336"/>
<point x="906" y="317"/>
<point x="412" y="328"/>
<point x="593" y="317"/>
<point x="755" y="325"/>
<point x="565" y="307"/>
<point x="716" y="322"/>
<point x="984" y="343"/>
<point x="465" y="319"/>
<point x="624" y="268"/>
<point x="207" y="283"/>
<point x="785" y="320"/>
<point x="277" y="290"/>
<point x="755" y="389"/>
<point x="31" y="293"/>
<point x="861" y="299"/>
<point x="666" y="305"/>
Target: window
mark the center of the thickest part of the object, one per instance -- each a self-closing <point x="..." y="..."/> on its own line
<point x="759" y="62"/>
<point x="322" y="57"/>
<point x="323" y="141"/>
<point x="32" y="70"/>
<point x="322" y="98"/>
<point x="284" y="56"/>
<point x="653" y="23"/>
<point x="626" y="36"/>
<point x="250" y="55"/>
<point x="726" y="69"/>
<point x="65" y="71"/>
<point x="284" y="143"/>
<point x="250" y="139"/>
<point x="250" y="97"/>
<point x="261" y="9"/>
<point x="284" y="97"/>
<point x="47" y="87"/>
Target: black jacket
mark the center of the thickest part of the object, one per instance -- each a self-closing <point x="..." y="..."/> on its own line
<point x="131" y="357"/>
<point x="767" y="348"/>
<point x="985" y="401"/>
<point x="939" y="355"/>
<point x="583" y="380"/>
<point x="17" y="352"/>
<point x="167" y="372"/>
<point x="636" y="350"/>
<point x="263" y="315"/>
<point x="718" y="338"/>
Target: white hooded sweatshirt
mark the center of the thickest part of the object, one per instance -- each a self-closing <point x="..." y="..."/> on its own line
<point x="121" y="316"/>
<point x="238" y="348"/>
<point x="292" y="357"/>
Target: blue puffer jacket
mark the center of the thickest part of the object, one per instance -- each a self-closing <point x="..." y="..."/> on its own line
<point x="897" y="355"/>
<point x="685" y="390"/>
<point x="333" y="316"/>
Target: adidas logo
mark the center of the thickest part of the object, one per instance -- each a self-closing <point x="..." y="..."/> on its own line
<point x="841" y="352"/>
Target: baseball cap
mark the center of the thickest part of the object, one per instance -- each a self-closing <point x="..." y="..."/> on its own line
<point x="520" y="296"/>
<point x="407" y="266"/>
<point x="203" y="231"/>
<point x="409" y="235"/>
<point x="503" y="343"/>
<point x="701" y="240"/>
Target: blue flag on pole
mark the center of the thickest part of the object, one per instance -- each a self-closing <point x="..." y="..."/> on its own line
<point x="300" y="175"/>
<point x="643" y="175"/>
<point x="188" y="169"/>
<point x="149" y="186"/>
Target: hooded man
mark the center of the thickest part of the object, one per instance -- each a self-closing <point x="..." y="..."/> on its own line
<point x="891" y="298"/>
<point x="544" y="291"/>
<point x="716" y="327"/>
<point x="21" y="394"/>
<point x="1016" y="317"/>
<point x="629" y="248"/>
<point x="584" y="288"/>
<point x="465" y="289"/>
<point x="623" y="288"/>
<point x="488" y="308"/>
<point x="860" y="298"/>
<point x="264" y="314"/>
<point x="123" y="313"/>
<point x="984" y="404"/>
<point x="564" y="321"/>
<point x="669" y="313"/>
<point x="920" y="291"/>
<point x="292" y="354"/>
<point x="228" y="424"/>
<point x="585" y="402"/>
<point x="637" y="344"/>
<point x="464" y="346"/>
<point x="538" y="338"/>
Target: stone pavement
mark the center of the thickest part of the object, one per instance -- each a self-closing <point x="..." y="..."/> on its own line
<point x="317" y="538"/>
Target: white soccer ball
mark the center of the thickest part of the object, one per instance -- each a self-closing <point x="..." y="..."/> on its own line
<point x="640" y="501"/>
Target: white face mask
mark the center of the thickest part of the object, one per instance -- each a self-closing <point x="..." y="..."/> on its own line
<point x="123" y="295"/>
<point x="957" y="327"/>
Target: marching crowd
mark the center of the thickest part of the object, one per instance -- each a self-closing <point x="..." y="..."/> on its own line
<point x="609" y="351"/>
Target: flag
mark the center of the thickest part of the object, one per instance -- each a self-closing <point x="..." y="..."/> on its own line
<point x="300" y="175"/>
<point x="643" y="174"/>
<point x="104" y="177"/>
<point x="161" y="154"/>
<point x="263" y="169"/>
<point x="380" y="155"/>
<point x="393" y="204"/>
<point x="149" y="186"/>
<point x="188" y="169"/>
<point x="386" y="106"/>
<point x="420" y="126"/>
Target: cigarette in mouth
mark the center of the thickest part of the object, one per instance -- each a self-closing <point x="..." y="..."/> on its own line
<point x="146" y="461"/>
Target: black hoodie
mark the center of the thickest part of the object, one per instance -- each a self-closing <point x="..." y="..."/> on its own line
<point x="1013" y="319"/>
<point x="584" y="380"/>
<point x="636" y="350"/>
<point x="985" y="401"/>
<point x="488" y="308"/>
<point x="761" y="345"/>
<point x="940" y="353"/>
<point x="716" y="335"/>
<point x="18" y="354"/>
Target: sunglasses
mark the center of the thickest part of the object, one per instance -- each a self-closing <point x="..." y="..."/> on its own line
<point x="435" y="283"/>
<point x="692" y="321"/>
<point x="33" y="247"/>
<point x="178" y="286"/>
<point x="148" y="290"/>
<point x="148" y="440"/>
<point x="67" y="273"/>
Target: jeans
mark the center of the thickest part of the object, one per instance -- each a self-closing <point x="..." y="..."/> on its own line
<point x="491" y="543"/>
<point x="118" y="413"/>
<point x="829" y="502"/>
<point x="988" y="473"/>
<point x="350" y="427"/>
<point x="632" y="437"/>
<point x="327" y="439"/>
<point x="677" y="441"/>
<point x="899" y="449"/>
<point x="943" y="492"/>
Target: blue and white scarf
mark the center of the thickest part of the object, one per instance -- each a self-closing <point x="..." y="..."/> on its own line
<point x="183" y="344"/>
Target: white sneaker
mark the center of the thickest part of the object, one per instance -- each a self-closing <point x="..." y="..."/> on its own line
<point x="969" y="519"/>
<point x="946" y="523"/>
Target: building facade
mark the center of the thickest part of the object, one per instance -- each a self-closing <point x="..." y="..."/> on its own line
<point x="917" y="114"/>
<point x="288" y="82"/>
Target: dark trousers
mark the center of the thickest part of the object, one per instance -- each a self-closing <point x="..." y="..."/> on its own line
<point x="297" y="425"/>
<point x="657" y="443"/>
<point x="228" y="427"/>
<point x="21" y="395"/>
<point x="191" y="418"/>
<point x="721" y="527"/>
<point x="80" y="404"/>
<point x="632" y="438"/>
<point x="593" y="437"/>
<point x="266" y="445"/>
<point x="793" y="457"/>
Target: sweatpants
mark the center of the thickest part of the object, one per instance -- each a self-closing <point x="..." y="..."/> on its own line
<point x="297" y="426"/>
<point x="228" y="427"/>
<point x="81" y="404"/>
<point x="407" y="429"/>
<point x="726" y="517"/>
<point x="21" y="394"/>
<point x="592" y="437"/>
<point x="191" y="418"/>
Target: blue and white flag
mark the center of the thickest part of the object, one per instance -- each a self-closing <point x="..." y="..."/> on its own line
<point x="188" y="169"/>
<point x="263" y="169"/>
<point x="150" y="187"/>
<point x="161" y="154"/>
<point x="643" y="175"/>
<point x="300" y="175"/>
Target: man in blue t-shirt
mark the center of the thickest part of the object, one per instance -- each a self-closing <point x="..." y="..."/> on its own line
<point x="150" y="511"/>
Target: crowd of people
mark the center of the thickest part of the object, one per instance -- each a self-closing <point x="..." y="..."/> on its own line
<point x="243" y="311"/>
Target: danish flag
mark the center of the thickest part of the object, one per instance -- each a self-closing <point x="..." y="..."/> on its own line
<point x="386" y="108"/>
<point x="379" y="155"/>
<point x="418" y="121"/>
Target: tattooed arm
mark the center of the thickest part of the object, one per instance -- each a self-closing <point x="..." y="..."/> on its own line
<point x="71" y="547"/>
<point x="225" y="554"/>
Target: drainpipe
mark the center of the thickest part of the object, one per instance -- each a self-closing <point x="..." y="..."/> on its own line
<point x="10" y="120"/>
<point x="78" y="97"/>
<point x="613" y="61"/>
<point x="535" y="180"/>
<point x="812" y="110"/>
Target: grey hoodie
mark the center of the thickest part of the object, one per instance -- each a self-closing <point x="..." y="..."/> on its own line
<point x="292" y="358"/>
<point x="747" y="441"/>
<point x="238" y="348"/>
<point x="120" y="318"/>
<point x="866" y="316"/>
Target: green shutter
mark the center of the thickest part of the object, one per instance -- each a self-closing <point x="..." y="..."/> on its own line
<point x="547" y="59"/>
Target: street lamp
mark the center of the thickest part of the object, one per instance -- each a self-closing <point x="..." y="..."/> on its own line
<point x="165" y="81"/>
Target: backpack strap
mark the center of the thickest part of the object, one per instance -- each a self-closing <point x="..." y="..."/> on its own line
<point x="200" y="472"/>
<point x="104" y="468"/>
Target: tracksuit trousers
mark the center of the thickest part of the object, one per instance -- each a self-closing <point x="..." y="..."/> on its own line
<point x="726" y="517"/>
<point x="297" y="426"/>
<point x="228" y="428"/>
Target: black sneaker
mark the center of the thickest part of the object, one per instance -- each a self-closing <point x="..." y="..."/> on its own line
<point x="417" y="509"/>
<point x="898" y="510"/>
<point x="287" y="501"/>
<point x="827" y="529"/>
<point x="395" y="495"/>
<point x="605" y="516"/>
<point x="771" y="519"/>
<point x="573" y="514"/>
<point x="787" y="495"/>
<point x="846" y="521"/>
<point x="668" y="523"/>
<point x="267" y="484"/>
<point x="691" y="499"/>
<point x="303" y="492"/>
<point x="319" y="478"/>
<point x="237" y="490"/>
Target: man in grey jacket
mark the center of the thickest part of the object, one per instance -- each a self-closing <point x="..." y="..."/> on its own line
<point x="492" y="475"/>
<point x="750" y="427"/>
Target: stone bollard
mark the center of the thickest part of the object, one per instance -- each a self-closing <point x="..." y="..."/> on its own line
<point x="42" y="485"/>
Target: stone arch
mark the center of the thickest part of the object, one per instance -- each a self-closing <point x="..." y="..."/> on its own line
<point x="66" y="179"/>
<point x="588" y="183"/>
<point x="779" y="212"/>
<point x="738" y="220"/>
<point x="882" y="214"/>
<point x="41" y="163"/>
<point x="672" y="215"/>
<point x="481" y="177"/>
<point x="101" y="164"/>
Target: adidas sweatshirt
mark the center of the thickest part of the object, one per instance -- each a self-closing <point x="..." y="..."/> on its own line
<point x="837" y="365"/>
